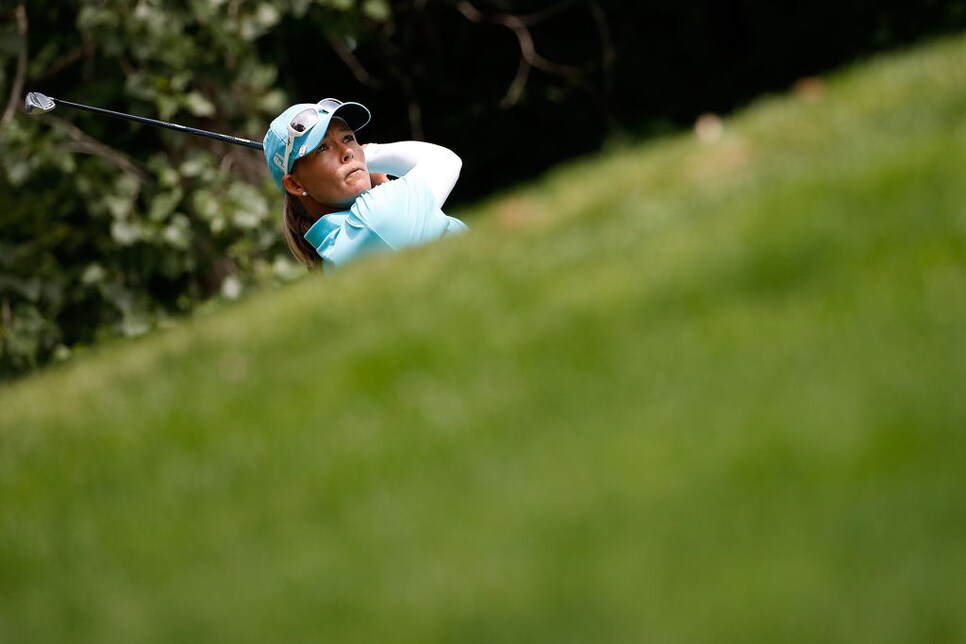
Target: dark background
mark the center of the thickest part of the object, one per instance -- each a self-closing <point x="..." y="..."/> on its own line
<point x="667" y="64"/>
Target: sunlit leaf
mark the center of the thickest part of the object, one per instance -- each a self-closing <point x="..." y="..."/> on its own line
<point x="198" y="104"/>
<point x="376" y="10"/>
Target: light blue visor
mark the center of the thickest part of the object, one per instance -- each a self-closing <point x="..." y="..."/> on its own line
<point x="299" y="129"/>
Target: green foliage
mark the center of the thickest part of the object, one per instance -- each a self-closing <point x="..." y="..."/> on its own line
<point x="703" y="390"/>
<point x="111" y="228"/>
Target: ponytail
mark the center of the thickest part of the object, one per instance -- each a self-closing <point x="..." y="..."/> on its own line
<point x="296" y="222"/>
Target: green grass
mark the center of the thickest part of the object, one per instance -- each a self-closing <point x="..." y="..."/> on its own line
<point x="683" y="392"/>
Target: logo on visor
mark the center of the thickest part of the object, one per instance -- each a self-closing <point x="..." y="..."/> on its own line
<point x="279" y="161"/>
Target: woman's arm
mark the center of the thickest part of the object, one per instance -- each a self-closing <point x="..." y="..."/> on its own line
<point x="436" y="166"/>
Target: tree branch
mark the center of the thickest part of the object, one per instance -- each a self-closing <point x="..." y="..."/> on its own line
<point x="529" y="57"/>
<point x="6" y="316"/>
<point x="84" y="144"/>
<point x="608" y="53"/>
<point x="16" y="91"/>
<point x="67" y="60"/>
<point x="353" y="63"/>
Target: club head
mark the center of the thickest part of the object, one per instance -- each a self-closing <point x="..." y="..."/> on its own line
<point x="37" y="102"/>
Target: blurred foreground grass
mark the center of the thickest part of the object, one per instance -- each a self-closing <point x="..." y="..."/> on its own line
<point x="692" y="391"/>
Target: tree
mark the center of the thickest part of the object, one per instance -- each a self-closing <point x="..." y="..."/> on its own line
<point x="110" y="227"/>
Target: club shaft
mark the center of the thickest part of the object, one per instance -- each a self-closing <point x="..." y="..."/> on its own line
<point x="171" y="126"/>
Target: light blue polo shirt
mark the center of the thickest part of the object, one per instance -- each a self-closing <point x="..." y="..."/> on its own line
<point x="392" y="216"/>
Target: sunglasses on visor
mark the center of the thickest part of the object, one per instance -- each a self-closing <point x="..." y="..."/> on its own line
<point x="305" y="121"/>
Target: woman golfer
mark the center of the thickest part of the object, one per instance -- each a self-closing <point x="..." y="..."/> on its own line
<point x="335" y="210"/>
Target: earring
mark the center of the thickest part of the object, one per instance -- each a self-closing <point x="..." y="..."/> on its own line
<point x="305" y="194"/>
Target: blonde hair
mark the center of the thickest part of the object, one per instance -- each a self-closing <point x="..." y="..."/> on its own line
<point x="296" y="222"/>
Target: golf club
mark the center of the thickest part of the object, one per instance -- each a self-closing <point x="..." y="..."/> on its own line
<point x="41" y="103"/>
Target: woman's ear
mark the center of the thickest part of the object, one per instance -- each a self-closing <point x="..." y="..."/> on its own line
<point x="292" y="185"/>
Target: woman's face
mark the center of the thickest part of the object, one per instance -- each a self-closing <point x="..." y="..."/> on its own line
<point x="335" y="173"/>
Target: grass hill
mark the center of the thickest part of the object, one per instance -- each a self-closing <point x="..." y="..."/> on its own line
<point x="703" y="389"/>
